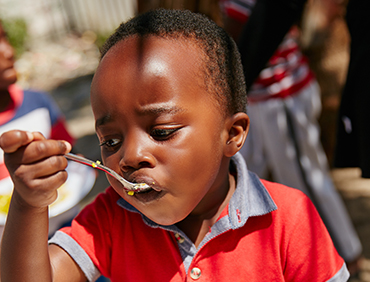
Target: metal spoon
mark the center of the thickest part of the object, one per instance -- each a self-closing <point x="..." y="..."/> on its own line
<point x="128" y="186"/>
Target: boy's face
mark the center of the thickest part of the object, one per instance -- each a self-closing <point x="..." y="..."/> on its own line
<point x="158" y="125"/>
<point x="8" y="74"/>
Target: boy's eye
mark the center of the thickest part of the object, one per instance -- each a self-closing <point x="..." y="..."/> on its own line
<point x="163" y="133"/>
<point x="110" y="143"/>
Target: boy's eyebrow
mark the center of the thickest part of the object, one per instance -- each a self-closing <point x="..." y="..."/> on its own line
<point x="103" y="120"/>
<point x="153" y="109"/>
<point x="160" y="108"/>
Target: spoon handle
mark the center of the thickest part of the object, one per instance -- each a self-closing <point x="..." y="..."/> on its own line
<point x="129" y="186"/>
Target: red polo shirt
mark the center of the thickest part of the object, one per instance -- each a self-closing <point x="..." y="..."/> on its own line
<point x="269" y="233"/>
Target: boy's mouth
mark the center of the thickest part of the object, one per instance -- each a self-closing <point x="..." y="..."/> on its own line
<point x="153" y="186"/>
<point x="145" y="180"/>
<point x="148" y="195"/>
<point x="146" y="190"/>
<point x="153" y="192"/>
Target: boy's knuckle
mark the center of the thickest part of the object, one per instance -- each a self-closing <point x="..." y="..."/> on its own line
<point x="40" y="148"/>
<point x="57" y="180"/>
<point x="63" y="175"/>
<point x="34" y="186"/>
<point x="20" y="174"/>
<point x="52" y="161"/>
<point x="58" y="162"/>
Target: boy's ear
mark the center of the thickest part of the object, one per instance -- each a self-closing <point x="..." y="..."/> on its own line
<point x="238" y="126"/>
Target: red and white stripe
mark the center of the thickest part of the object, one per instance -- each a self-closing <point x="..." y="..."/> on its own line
<point x="287" y="72"/>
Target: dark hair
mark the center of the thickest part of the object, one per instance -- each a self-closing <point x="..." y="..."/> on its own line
<point x="224" y="71"/>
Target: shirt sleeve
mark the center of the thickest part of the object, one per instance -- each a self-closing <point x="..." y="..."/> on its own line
<point x="77" y="253"/>
<point x="310" y="252"/>
<point x="88" y="239"/>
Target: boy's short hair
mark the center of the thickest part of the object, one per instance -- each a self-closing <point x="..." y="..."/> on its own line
<point x="222" y="59"/>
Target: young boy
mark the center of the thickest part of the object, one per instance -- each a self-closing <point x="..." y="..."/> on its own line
<point x="168" y="99"/>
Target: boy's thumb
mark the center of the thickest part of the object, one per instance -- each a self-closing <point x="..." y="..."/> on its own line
<point x="12" y="140"/>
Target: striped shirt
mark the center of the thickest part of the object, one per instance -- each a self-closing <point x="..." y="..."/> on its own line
<point x="31" y="111"/>
<point x="287" y="71"/>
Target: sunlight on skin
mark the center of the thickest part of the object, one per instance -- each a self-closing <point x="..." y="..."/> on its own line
<point x="156" y="67"/>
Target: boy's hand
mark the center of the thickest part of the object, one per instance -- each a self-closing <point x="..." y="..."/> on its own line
<point x="36" y="166"/>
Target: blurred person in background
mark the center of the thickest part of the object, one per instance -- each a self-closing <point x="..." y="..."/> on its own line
<point x="284" y="105"/>
<point x="25" y="109"/>
<point x="353" y="132"/>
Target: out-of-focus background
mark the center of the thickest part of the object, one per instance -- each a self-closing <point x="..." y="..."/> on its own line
<point x="57" y="44"/>
<point x="57" y="50"/>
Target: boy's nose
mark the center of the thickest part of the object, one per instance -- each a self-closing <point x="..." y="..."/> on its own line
<point x="136" y="154"/>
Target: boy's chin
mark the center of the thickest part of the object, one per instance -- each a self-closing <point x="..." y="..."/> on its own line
<point x="8" y="78"/>
<point x="165" y="220"/>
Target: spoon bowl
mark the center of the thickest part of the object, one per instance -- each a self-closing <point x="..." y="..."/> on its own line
<point x="130" y="187"/>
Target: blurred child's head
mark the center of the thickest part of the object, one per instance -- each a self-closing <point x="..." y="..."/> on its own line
<point x="168" y="99"/>
<point x="223" y="73"/>
<point x="8" y="74"/>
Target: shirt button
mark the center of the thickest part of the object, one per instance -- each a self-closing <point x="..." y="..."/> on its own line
<point x="195" y="273"/>
<point x="179" y="238"/>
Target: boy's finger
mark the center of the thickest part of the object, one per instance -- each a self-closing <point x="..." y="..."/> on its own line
<point x="37" y="136"/>
<point x="12" y="140"/>
<point x="42" y="149"/>
<point x="48" y="167"/>
<point x="40" y="192"/>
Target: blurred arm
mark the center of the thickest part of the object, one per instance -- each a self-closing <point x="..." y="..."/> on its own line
<point x="37" y="167"/>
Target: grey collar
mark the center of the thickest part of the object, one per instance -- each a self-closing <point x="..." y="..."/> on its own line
<point x="249" y="199"/>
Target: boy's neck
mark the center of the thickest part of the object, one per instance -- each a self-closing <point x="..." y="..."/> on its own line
<point x="5" y="99"/>
<point x="197" y="226"/>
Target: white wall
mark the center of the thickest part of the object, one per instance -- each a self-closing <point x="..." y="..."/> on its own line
<point x="52" y="18"/>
